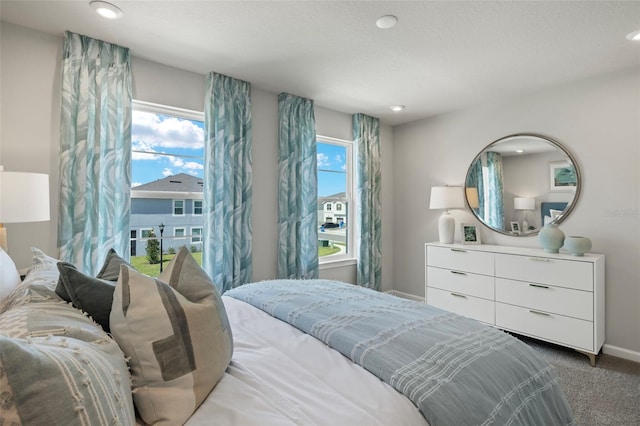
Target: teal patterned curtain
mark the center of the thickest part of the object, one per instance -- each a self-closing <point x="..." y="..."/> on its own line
<point x="475" y="180"/>
<point x="298" y="189"/>
<point x="95" y="151"/>
<point x="227" y="232"/>
<point x="495" y="191"/>
<point x="366" y="134"/>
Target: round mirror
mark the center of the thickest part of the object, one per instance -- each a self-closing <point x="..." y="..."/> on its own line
<point x="521" y="182"/>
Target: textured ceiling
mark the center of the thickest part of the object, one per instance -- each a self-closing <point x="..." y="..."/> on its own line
<point x="442" y="55"/>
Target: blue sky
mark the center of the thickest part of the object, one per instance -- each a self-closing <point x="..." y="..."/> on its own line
<point x="157" y="133"/>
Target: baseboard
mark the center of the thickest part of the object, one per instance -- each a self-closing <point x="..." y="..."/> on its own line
<point x="405" y="295"/>
<point x="621" y="352"/>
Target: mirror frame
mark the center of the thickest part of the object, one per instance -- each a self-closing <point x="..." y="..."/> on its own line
<point x="547" y="139"/>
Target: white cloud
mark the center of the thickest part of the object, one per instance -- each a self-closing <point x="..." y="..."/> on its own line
<point x="134" y="184"/>
<point x="323" y="160"/>
<point x="155" y="133"/>
<point x="167" y="172"/>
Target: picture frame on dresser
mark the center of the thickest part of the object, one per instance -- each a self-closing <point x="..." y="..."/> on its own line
<point x="515" y="227"/>
<point x="469" y="234"/>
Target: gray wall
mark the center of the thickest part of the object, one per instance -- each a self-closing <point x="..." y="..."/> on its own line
<point x="598" y="121"/>
<point x="30" y="83"/>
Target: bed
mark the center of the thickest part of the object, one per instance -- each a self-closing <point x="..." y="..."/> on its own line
<point x="299" y="357"/>
<point x="550" y="211"/>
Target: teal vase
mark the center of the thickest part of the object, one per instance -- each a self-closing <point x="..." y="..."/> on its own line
<point x="551" y="238"/>
<point x="577" y="246"/>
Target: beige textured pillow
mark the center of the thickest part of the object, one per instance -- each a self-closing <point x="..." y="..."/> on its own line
<point x="176" y="331"/>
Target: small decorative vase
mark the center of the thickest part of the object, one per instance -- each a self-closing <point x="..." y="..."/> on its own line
<point x="577" y="246"/>
<point x="551" y="238"/>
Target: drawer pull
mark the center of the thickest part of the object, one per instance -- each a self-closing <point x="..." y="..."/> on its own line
<point x="540" y="259"/>
<point x="459" y="295"/>
<point x="458" y="273"/>
<point x="538" y="285"/>
<point x="539" y="313"/>
<point x="458" y="250"/>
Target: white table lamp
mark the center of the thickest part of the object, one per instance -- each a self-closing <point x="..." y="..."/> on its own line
<point x="446" y="197"/>
<point x="522" y="203"/>
<point x="24" y="197"/>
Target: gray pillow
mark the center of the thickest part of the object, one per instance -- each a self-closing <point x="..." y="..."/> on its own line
<point x="92" y="295"/>
<point x="111" y="268"/>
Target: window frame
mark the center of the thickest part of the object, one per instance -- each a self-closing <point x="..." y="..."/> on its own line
<point x="173" y="208"/>
<point x="199" y="236"/>
<point x="351" y="256"/>
<point x="193" y="203"/>
<point x="184" y="232"/>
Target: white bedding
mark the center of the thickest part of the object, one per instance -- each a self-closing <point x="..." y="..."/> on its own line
<point x="281" y="376"/>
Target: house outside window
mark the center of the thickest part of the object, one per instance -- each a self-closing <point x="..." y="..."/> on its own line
<point x="197" y="207"/>
<point x="336" y="204"/>
<point x="167" y="165"/>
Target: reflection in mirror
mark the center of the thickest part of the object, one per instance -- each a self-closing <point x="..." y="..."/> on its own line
<point x="521" y="182"/>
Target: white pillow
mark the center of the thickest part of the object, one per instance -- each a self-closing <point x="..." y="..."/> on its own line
<point x="555" y="214"/>
<point x="9" y="276"/>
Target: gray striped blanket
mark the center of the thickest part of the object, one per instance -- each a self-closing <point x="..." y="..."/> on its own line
<point x="457" y="371"/>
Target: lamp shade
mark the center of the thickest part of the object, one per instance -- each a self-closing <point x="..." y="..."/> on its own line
<point x="24" y="197"/>
<point x="446" y="197"/>
<point x="520" y="203"/>
<point x="472" y="197"/>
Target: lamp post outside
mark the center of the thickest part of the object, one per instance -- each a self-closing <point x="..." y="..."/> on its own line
<point x="161" y="231"/>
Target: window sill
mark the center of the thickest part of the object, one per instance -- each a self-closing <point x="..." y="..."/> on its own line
<point x="338" y="263"/>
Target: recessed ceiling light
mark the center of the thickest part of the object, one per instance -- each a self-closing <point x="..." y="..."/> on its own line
<point x="519" y="151"/>
<point x="106" y="9"/>
<point x="397" y="108"/>
<point x="387" y="21"/>
<point x="634" y="36"/>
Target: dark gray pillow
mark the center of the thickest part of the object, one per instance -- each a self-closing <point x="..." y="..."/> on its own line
<point x="92" y="295"/>
<point x="111" y="268"/>
<point x="110" y="271"/>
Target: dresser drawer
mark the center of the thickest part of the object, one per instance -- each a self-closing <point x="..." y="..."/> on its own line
<point x="545" y="270"/>
<point x="460" y="260"/>
<point x="557" y="300"/>
<point x="556" y="328"/>
<point x="468" y="306"/>
<point x="461" y="282"/>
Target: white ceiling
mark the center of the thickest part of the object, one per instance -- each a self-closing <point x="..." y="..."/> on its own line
<point x="442" y="55"/>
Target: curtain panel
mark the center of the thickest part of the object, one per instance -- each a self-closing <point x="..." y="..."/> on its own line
<point x="475" y="182"/>
<point x="95" y="151"/>
<point x="366" y="134"/>
<point x="495" y="191"/>
<point x="228" y="174"/>
<point x="298" y="189"/>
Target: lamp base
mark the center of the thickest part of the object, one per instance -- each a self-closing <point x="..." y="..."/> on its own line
<point x="446" y="228"/>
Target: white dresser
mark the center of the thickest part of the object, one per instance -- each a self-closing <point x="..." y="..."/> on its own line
<point x="554" y="297"/>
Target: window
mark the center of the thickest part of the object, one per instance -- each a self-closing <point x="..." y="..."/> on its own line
<point x="178" y="207"/>
<point x="146" y="233"/>
<point x="167" y="170"/>
<point x="335" y="191"/>
<point x="196" y="235"/>
<point x="179" y="233"/>
<point x="197" y="207"/>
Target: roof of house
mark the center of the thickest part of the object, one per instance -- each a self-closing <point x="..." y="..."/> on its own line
<point x="181" y="182"/>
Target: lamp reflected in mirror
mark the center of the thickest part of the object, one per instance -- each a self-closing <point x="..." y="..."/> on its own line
<point x="523" y="205"/>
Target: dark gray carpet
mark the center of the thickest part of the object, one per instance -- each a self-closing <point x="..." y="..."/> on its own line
<point x="608" y="394"/>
